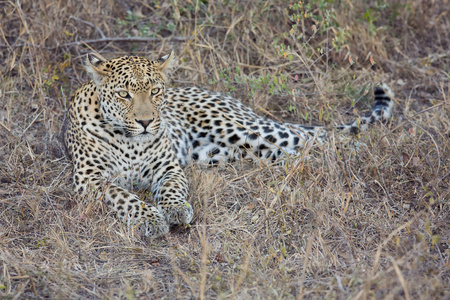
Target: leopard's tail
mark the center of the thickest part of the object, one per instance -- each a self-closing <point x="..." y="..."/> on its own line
<point x="381" y="110"/>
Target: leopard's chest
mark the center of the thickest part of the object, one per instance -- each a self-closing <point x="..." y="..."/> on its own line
<point x="130" y="175"/>
<point x="131" y="165"/>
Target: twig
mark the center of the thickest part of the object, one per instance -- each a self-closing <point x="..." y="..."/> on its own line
<point x="409" y="119"/>
<point x="305" y="265"/>
<point x="400" y="277"/>
<point x="34" y="120"/>
<point x="4" y="126"/>
<point x="129" y="39"/>
<point x="378" y="254"/>
<point x="109" y="40"/>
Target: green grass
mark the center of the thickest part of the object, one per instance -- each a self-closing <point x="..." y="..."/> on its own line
<point x="334" y="224"/>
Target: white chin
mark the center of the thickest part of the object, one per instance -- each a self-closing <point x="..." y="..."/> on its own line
<point x="143" y="137"/>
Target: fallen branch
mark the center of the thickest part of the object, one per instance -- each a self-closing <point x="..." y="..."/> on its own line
<point x="130" y="39"/>
<point x="109" y="40"/>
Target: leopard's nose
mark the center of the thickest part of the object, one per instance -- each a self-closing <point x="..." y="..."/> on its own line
<point x="144" y="123"/>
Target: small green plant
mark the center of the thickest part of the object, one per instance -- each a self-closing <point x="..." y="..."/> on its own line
<point x="275" y="84"/>
<point x="55" y="75"/>
<point x="42" y="242"/>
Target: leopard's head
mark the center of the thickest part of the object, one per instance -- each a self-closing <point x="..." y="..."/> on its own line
<point x="131" y="91"/>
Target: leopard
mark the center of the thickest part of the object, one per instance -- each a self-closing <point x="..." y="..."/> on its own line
<point x="128" y="131"/>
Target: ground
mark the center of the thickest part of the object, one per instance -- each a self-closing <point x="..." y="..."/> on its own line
<point x="337" y="223"/>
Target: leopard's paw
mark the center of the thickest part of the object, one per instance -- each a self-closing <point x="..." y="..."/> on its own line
<point x="148" y="219"/>
<point x="154" y="224"/>
<point x="176" y="215"/>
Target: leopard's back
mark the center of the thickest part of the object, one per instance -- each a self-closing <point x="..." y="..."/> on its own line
<point x="210" y="127"/>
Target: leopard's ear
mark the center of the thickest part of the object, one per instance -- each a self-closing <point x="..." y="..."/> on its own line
<point x="165" y="64"/>
<point x="96" y="67"/>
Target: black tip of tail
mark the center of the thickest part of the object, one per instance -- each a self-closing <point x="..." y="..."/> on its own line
<point x="382" y="99"/>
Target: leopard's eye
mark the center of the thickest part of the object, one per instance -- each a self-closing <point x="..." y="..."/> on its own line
<point x="123" y="94"/>
<point x="155" y="91"/>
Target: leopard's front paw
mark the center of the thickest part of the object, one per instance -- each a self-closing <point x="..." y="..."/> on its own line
<point x="179" y="214"/>
<point x="154" y="228"/>
<point x="150" y="221"/>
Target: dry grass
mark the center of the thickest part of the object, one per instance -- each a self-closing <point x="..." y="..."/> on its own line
<point x="333" y="225"/>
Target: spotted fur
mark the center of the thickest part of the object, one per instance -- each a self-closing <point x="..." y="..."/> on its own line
<point x="126" y="130"/>
<point x="211" y="127"/>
